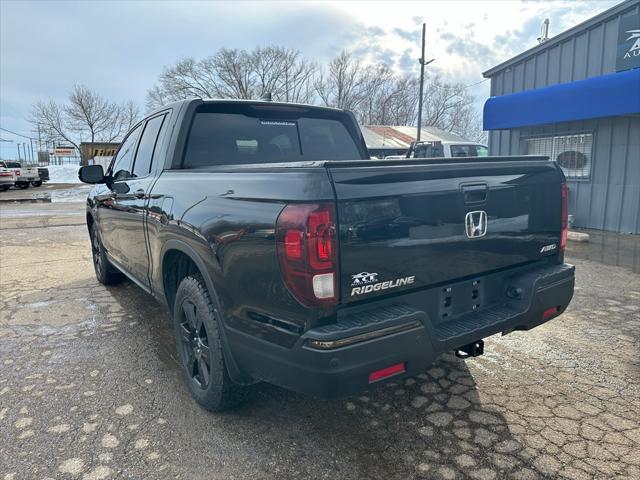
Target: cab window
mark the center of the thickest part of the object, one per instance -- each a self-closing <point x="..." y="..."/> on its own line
<point x="121" y="168"/>
<point x="147" y="147"/>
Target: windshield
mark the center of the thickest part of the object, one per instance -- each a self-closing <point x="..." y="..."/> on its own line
<point x="243" y="134"/>
<point x="469" y="151"/>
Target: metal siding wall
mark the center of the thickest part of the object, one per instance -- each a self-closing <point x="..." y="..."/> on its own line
<point x="505" y="141"/>
<point x="629" y="215"/>
<point x="542" y="61"/>
<point x="507" y="82"/>
<point x="600" y="173"/>
<point x="580" y="57"/>
<point x="610" y="41"/>
<point x="615" y="180"/>
<point x="518" y="78"/>
<point x="530" y="73"/>
<point x="498" y="80"/>
<point x="594" y="61"/>
<point x="553" y="73"/>
<point x="566" y="62"/>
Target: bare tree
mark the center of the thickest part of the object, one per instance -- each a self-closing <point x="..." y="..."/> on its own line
<point x="375" y="93"/>
<point x="86" y="116"/>
<point x="449" y="106"/>
<point x="284" y="74"/>
<point x="343" y="84"/>
<point x="233" y="73"/>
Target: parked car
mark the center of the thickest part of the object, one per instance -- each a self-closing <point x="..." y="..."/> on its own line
<point x="285" y="254"/>
<point x="43" y="173"/>
<point x="7" y="178"/>
<point x="443" y="149"/>
<point x="23" y="175"/>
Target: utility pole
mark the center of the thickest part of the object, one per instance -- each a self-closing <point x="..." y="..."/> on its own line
<point x="422" y="62"/>
<point x="18" y="144"/>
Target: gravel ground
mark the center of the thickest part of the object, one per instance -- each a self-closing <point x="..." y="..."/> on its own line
<point x="89" y="387"/>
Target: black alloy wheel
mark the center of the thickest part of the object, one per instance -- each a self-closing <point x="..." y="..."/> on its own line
<point x="196" y="355"/>
<point x="200" y="347"/>
<point x="106" y="273"/>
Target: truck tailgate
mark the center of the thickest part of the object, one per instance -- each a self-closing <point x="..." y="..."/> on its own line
<point x="406" y="225"/>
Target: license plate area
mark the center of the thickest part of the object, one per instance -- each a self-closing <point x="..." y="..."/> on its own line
<point x="460" y="299"/>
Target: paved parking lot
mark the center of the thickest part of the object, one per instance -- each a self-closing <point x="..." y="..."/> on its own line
<point x="89" y="387"/>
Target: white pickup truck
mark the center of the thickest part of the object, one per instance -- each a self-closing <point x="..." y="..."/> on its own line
<point x="7" y="179"/>
<point x="443" y="149"/>
<point x="22" y="176"/>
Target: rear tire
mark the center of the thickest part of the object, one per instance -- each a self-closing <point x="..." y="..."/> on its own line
<point x="199" y="346"/>
<point x="106" y="273"/>
<point x="4" y="188"/>
<point x="22" y="185"/>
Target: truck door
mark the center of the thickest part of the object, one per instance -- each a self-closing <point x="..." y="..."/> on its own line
<point x="131" y="203"/>
<point x="109" y="207"/>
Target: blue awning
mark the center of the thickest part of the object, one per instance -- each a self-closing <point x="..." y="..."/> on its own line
<point x="604" y="96"/>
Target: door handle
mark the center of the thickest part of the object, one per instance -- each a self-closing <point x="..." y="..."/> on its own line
<point x="139" y="193"/>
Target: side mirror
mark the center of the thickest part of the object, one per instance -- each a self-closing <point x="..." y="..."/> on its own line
<point x="91" y="174"/>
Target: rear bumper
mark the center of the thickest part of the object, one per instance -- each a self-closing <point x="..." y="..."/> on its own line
<point x="337" y="360"/>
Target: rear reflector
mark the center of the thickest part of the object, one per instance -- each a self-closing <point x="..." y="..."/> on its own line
<point x="550" y="312"/>
<point x="387" y="372"/>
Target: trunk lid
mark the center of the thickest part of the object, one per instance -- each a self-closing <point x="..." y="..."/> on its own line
<point x="412" y="224"/>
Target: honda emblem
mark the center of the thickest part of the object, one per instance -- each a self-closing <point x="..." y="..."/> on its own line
<point x="475" y="224"/>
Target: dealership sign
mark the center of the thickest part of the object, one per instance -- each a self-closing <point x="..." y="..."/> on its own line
<point x="61" y="151"/>
<point x="628" y="54"/>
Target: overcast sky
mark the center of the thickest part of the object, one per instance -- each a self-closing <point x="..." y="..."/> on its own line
<point x="119" y="48"/>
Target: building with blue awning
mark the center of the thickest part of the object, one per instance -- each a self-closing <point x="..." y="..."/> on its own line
<point x="576" y="98"/>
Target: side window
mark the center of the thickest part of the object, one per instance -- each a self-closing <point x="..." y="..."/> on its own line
<point x="121" y="169"/>
<point x="148" y="141"/>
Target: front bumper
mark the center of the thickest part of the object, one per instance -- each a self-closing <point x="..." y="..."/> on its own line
<point x="336" y="360"/>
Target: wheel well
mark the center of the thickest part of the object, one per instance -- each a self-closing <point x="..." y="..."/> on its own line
<point x="89" y="222"/>
<point x="176" y="265"/>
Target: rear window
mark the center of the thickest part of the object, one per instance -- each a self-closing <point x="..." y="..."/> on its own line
<point x="244" y="134"/>
<point x="469" y="151"/>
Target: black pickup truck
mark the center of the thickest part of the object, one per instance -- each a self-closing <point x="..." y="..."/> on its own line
<point x="286" y="255"/>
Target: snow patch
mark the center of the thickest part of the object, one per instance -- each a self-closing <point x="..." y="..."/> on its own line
<point x="63" y="173"/>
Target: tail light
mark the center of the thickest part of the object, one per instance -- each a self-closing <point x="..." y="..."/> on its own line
<point x="307" y="251"/>
<point x="564" y="232"/>
<point x="17" y="173"/>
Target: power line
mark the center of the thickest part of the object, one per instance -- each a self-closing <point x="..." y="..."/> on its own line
<point x="477" y="83"/>
<point x="18" y="134"/>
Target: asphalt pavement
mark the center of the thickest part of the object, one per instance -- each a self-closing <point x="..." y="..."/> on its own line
<point x="90" y="388"/>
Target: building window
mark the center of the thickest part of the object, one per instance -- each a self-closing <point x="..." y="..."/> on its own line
<point x="572" y="152"/>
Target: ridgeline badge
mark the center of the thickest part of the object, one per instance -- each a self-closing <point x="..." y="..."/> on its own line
<point x="366" y="282"/>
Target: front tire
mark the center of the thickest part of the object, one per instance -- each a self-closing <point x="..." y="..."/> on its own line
<point x="106" y="273"/>
<point x="36" y="183"/>
<point x="22" y="185"/>
<point x="199" y="346"/>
